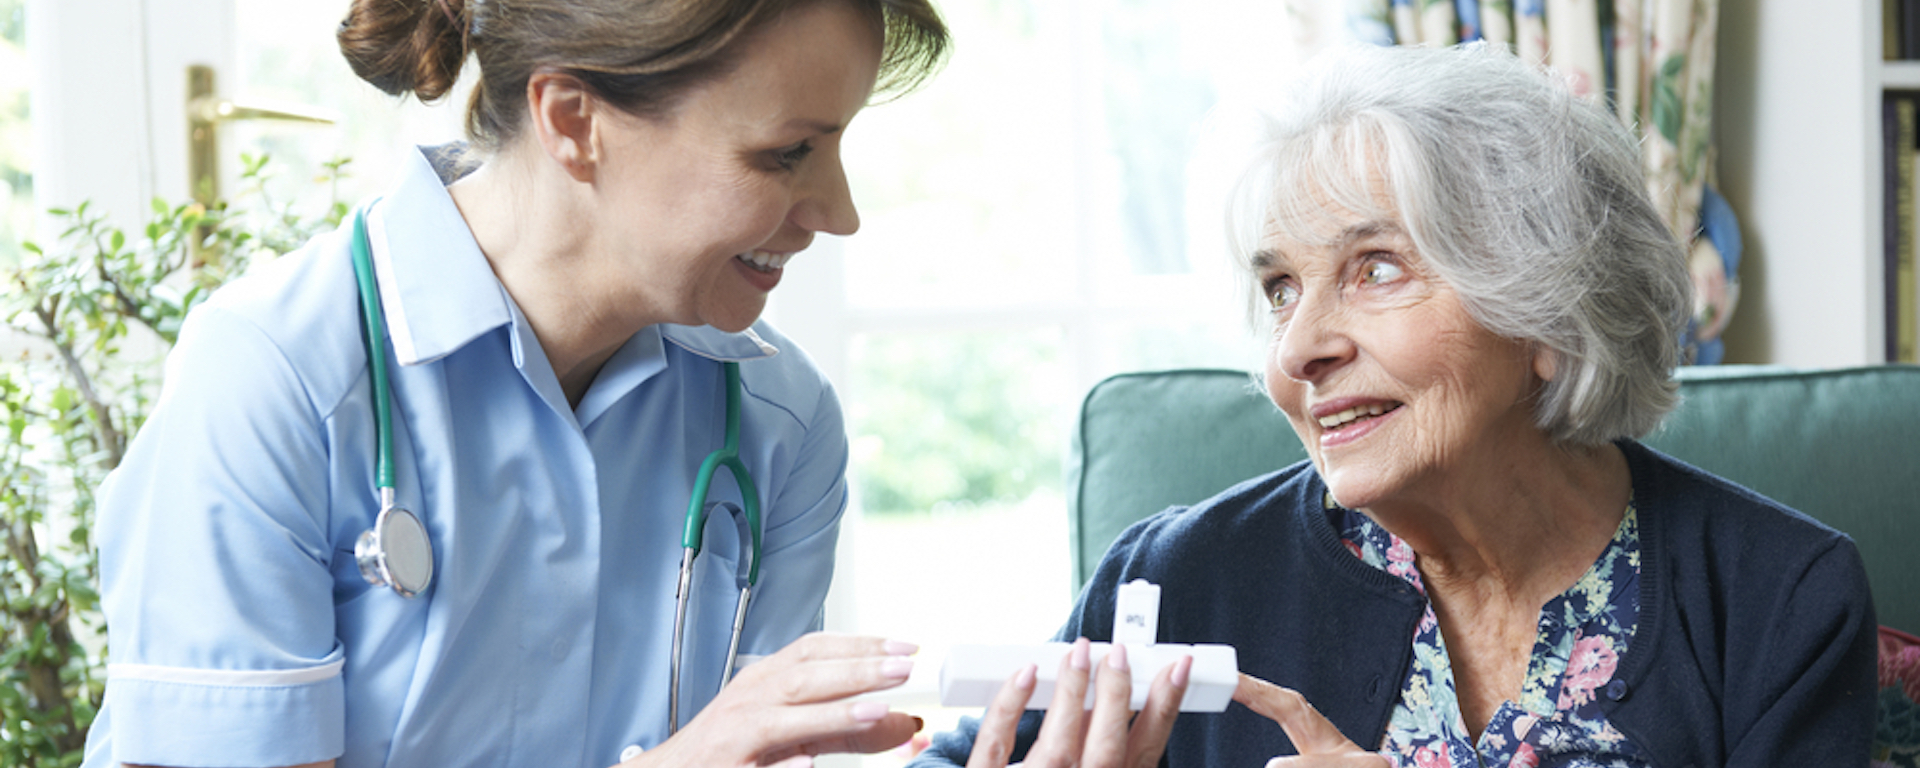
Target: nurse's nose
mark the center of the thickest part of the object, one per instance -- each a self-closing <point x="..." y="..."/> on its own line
<point x="825" y="203"/>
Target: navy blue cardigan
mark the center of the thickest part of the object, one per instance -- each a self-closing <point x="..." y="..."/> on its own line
<point x="1755" y="645"/>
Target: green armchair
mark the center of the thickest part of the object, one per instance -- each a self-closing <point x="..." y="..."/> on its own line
<point x="1840" y="445"/>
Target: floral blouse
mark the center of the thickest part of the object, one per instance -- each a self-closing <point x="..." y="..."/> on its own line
<point x="1557" y="721"/>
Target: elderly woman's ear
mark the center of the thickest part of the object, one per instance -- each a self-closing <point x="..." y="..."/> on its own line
<point x="1545" y="362"/>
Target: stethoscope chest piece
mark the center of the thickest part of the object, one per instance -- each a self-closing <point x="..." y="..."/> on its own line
<point x="396" y="552"/>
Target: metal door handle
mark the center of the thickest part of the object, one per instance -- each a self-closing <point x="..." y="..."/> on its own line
<point x="205" y="112"/>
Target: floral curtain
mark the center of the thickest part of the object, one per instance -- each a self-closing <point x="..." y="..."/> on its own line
<point x="1651" y="60"/>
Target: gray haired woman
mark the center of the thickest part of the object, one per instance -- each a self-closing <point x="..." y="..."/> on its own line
<point x="1474" y="311"/>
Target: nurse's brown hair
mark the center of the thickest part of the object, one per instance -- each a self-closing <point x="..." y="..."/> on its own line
<point x="639" y="55"/>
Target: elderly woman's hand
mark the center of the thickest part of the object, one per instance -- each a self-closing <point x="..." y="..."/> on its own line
<point x="1109" y="736"/>
<point x="783" y="709"/>
<point x="1319" y="743"/>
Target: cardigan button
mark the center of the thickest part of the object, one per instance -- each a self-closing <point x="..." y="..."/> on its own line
<point x="1374" y="688"/>
<point x="1617" y="690"/>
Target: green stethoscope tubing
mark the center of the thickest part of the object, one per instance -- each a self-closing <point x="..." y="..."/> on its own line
<point x="397" y="552"/>
<point x="376" y="333"/>
<point x="697" y="508"/>
<point x="728" y="456"/>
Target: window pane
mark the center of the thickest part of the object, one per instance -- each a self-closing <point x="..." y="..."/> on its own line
<point x="1059" y="154"/>
<point x="966" y="186"/>
<point x="958" y="443"/>
<point x="287" y="53"/>
<point x="1164" y="346"/>
<point x="16" y="133"/>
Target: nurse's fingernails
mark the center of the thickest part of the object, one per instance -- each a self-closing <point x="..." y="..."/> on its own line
<point x="1117" y="657"/>
<point x="900" y="648"/>
<point x="1078" y="657"/>
<point x="868" y="711"/>
<point x="1180" y="670"/>
<point x="896" y="666"/>
<point x="919" y="725"/>
<point x="1024" y="678"/>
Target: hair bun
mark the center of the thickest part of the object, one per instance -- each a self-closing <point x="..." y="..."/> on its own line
<point x="406" y="46"/>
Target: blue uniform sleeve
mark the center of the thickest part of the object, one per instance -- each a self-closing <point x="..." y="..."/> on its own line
<point x="215" y="564"/>
<point x="802" y="529"/>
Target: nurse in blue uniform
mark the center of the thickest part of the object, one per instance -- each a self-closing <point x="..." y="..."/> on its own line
<point x="558" y="298"/>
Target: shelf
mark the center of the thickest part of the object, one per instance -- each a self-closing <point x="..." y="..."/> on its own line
<point x="1900" y="75"/>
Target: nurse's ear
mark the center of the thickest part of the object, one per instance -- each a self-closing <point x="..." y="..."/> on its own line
<point x="561" y="113"/>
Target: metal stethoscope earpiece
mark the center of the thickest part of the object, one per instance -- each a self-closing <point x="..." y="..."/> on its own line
<point x="396" y="552"/>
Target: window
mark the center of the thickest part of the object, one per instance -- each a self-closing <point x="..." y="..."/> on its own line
<point x="16" y="132"/>
<point x="1046" y="212"/>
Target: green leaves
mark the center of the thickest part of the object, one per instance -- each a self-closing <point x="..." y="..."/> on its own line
<point x="95" y="307"/>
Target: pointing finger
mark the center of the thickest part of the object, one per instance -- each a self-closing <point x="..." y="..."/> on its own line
<point x="1310" y="732"/>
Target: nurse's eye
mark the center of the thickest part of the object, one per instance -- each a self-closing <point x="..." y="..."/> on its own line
<point x="1380" y="271"/>
<point x="789" y="158"/>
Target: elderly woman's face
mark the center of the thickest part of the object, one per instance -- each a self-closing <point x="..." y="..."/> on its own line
<point x="1390" y="384"/>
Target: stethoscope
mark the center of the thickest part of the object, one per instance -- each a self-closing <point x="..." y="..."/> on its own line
<point x="397" y="552"/>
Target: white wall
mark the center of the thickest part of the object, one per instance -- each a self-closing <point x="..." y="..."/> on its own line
<point x="1796" y="119"/>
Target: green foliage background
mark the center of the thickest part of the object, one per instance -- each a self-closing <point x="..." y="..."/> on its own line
<point x="956" y="419"/>
<point x="93" y="314"/>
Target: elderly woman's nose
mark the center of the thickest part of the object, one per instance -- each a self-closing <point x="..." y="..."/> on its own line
<point x="825" y="203"/>
<point x="1313" y="342"/>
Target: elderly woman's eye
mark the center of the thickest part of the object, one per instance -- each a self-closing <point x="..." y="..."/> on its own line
<point x="1283" y="296"/>
<point x="1382" y="272"/>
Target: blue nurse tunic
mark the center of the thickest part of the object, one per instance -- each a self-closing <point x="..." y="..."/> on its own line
<point x="241" y="631"/>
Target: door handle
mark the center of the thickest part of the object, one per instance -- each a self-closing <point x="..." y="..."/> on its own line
<point x="205" y="112"/>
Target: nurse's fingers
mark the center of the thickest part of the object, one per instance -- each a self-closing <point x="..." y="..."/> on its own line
<point x="999" y="727"/>
<point x="1064" y="729"/>
<point x="1106" y="739"/>
<point x="863" y="727"/>
<point x="819" y="668"/>
<point x="818" y="646"/>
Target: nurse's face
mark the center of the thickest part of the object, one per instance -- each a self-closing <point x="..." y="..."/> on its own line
<point x="707" y="204"/>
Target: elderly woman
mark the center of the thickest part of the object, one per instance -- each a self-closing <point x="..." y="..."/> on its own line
<point x="1474" y="312"/>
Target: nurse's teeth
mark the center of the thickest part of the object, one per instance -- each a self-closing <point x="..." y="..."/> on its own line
<point x="765" y="261"/>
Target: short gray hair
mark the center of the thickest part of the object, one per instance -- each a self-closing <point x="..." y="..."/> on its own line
<point x="1529" y="201"/>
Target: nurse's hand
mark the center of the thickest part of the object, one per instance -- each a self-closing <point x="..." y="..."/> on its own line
<point x="1109" y="736"/>
<point x="1321" y="744"/>
<point x="782" y="710"/>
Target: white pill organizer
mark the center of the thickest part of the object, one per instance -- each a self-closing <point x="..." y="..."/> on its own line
<point x="973" y="674"/>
